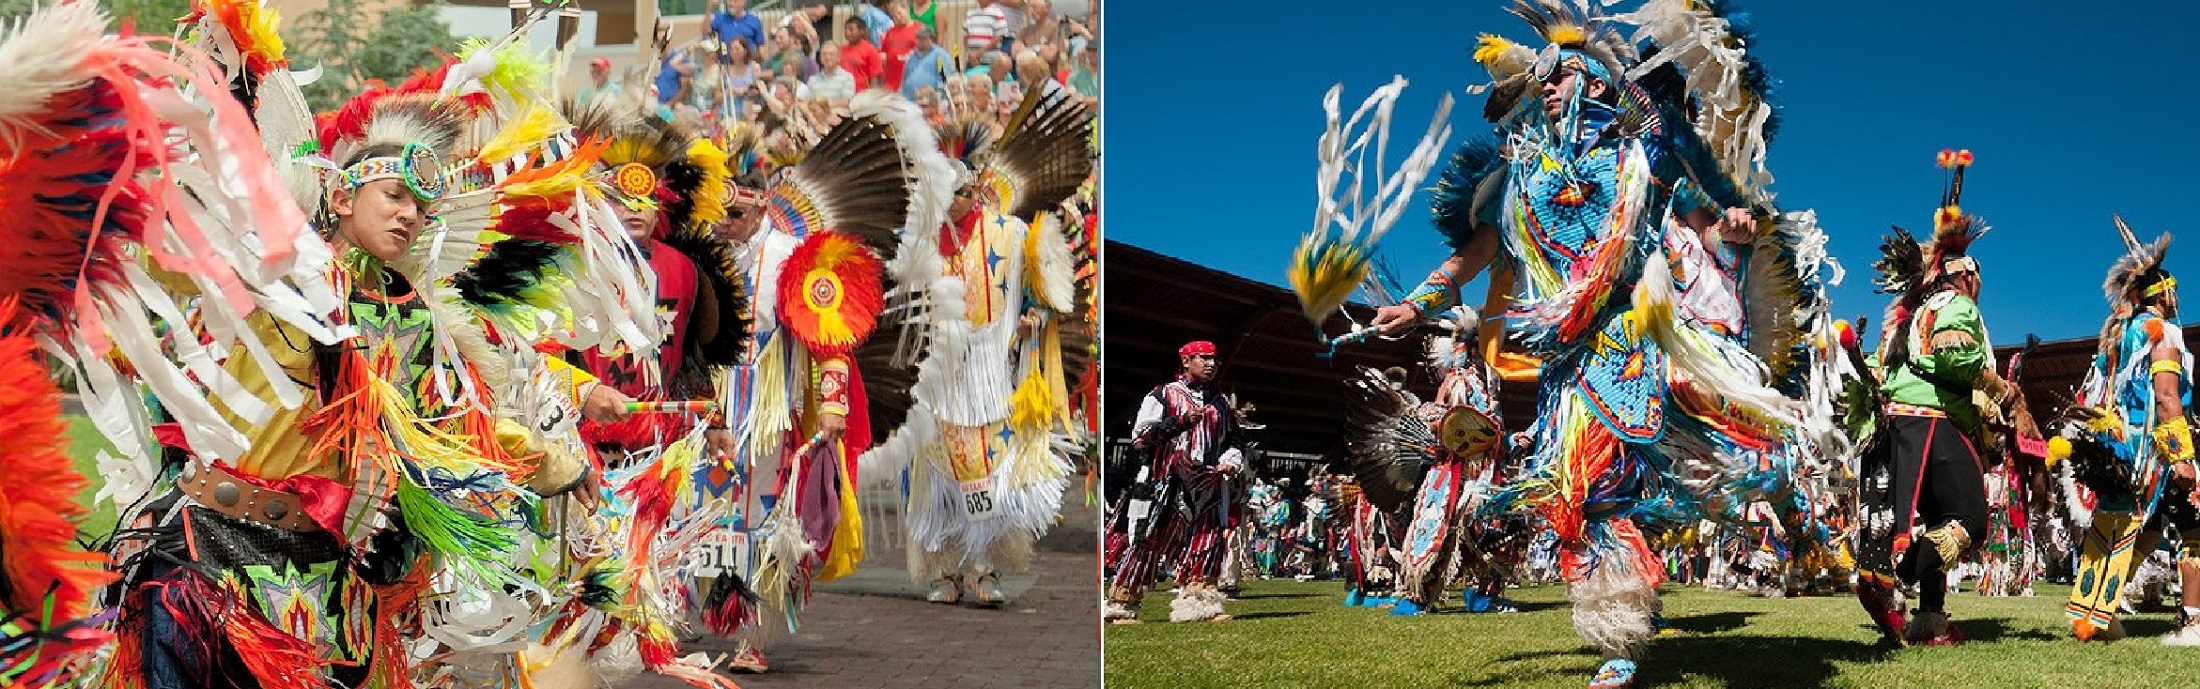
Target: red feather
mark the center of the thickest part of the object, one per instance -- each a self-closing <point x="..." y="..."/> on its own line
<point x="38" y="491"/>
<point x="532" y="221"/>
<point x="40" y="563"/>
<point x="51" y="191"/>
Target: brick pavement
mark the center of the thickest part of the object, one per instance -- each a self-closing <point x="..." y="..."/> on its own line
<point x="875" y="631"/>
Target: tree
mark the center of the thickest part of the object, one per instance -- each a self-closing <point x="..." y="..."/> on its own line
<point x="408" y="38"/>
<point x="151" y="17"/>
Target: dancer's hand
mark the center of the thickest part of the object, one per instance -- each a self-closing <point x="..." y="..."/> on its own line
<point x="1395" y="318"/>
<point x="590" y="489"/>
<point x="720" y="441"/>
<point x="830" y="427"/>
<point x="605" y="404"/>
<point x="1738" y="227"/>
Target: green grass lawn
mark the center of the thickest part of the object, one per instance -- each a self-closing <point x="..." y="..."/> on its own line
<point x="1293" y="634"/>
<point x="85" y="442"/>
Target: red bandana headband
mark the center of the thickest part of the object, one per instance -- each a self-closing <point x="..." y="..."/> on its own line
<point x="1201" y="347"/>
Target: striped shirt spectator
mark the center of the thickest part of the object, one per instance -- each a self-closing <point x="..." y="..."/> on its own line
<point x="983" y="26"/>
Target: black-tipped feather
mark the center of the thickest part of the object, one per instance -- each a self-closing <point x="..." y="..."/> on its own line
<point x="1388" y="447"/>
<point x="1045" y="150"/>
<point x="857" y="180"/>
<point x="506" y="271"/>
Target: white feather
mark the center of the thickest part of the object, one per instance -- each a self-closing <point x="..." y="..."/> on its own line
<point x="45" y="55"/>
<point x="1702" y="45"/>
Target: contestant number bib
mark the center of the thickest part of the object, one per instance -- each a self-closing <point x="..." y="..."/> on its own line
<point x="721" y="552"/>
<point x="978" y="503"/>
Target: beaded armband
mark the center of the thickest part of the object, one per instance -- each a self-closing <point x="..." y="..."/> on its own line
<point x="1435" y="294"/>
<point x="2166" y="366"/>
<point x="832" y="387"/>
<point x="2173" y="438"/>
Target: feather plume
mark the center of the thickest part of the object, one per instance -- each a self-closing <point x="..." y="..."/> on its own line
<point x="718" y="338"/>
<point x="1388" y="444"/>
<point x="386" y="117"/>
<point x="854" y="181"/>
<point x="1901" y="263"/>
<point x="829" y="293"/>
<point x="46" y="580"/>
<point x="1579" y="27"/>
<point x="513" y="71"/>
<point x="2133" y="272"/>
<point x="2138" y="261"/>
<point x="250" y="27"/>
<point x="1459" y="190"/>
<point x="1699" y="57"/>
<point x="1326" y="269"/>
<point x="539" y="124"/>
<point x="1042" y="152"/>
<point x="1504" y="59"/>
<point x="46" y="56"/>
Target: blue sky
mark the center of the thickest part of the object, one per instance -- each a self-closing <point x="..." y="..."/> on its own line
<point x="2074" y="113"/>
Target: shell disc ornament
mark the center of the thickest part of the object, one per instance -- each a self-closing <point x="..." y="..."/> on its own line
<point x="829" y="293"/>
<point x="1467" y="432"/>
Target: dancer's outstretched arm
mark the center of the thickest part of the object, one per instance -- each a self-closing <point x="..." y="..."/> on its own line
<point x="1442" y="288"/>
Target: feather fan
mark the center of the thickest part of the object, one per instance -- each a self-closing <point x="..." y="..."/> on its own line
<point x="1388" y="446"/>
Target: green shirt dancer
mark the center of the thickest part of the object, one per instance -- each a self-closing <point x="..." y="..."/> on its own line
<point x="1922" y="501"/>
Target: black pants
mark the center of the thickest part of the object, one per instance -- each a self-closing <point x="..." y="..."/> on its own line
<point x="1937" y="479"/>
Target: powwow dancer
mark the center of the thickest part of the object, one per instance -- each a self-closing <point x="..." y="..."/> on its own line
<point x="1618" y="154"/>
<point x="1190" y="435"/>
<point x="2126" y="447"/>
<point x="669" y="187"/>
<point x="1431" y="466"/>
<point x="1270" y="517"/>
<point x="819" y="240"/>
<point x="664" y="190"/>
<point x="358" y="439"/>
<point x="1371" y="580"/>
<point x="1922" y="499"/>
<point x="990" y="434"/>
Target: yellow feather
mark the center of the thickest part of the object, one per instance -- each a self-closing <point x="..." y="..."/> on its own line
<point x="561" y="184"/>
<point x="1324" y="276"/>
<point x="516" y="72"/>
<point x="262" y="22"/>
<point x="1489" y="47"/>
<point x="1567" y="35"/>
<point x="710" y="196"/>
<point x="539" y="124"/>
<point x="1033" y="403"/>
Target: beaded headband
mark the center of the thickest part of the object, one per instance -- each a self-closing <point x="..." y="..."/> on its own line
<point x="417" y="165"/>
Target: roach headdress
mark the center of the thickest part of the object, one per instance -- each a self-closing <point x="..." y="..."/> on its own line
<point x="652" y="163"/>
<point x="2138" y="275"/>
<point x="1912" y="271"/>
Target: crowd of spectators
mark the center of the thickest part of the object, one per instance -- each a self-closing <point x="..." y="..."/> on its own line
<point x="740" y="70"/>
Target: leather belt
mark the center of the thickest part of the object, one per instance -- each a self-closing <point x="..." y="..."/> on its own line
<point x="216" y="489"/>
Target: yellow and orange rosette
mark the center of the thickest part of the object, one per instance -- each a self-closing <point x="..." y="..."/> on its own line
<point x="829" y="293"/>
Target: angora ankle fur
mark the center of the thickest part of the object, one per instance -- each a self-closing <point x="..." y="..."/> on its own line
<point x="1612" y="607"/>
<point x="1195" y="604"/>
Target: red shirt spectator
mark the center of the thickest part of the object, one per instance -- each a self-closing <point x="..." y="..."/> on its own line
<point x="859" y="57"/>
<point x="899" y="42"/>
